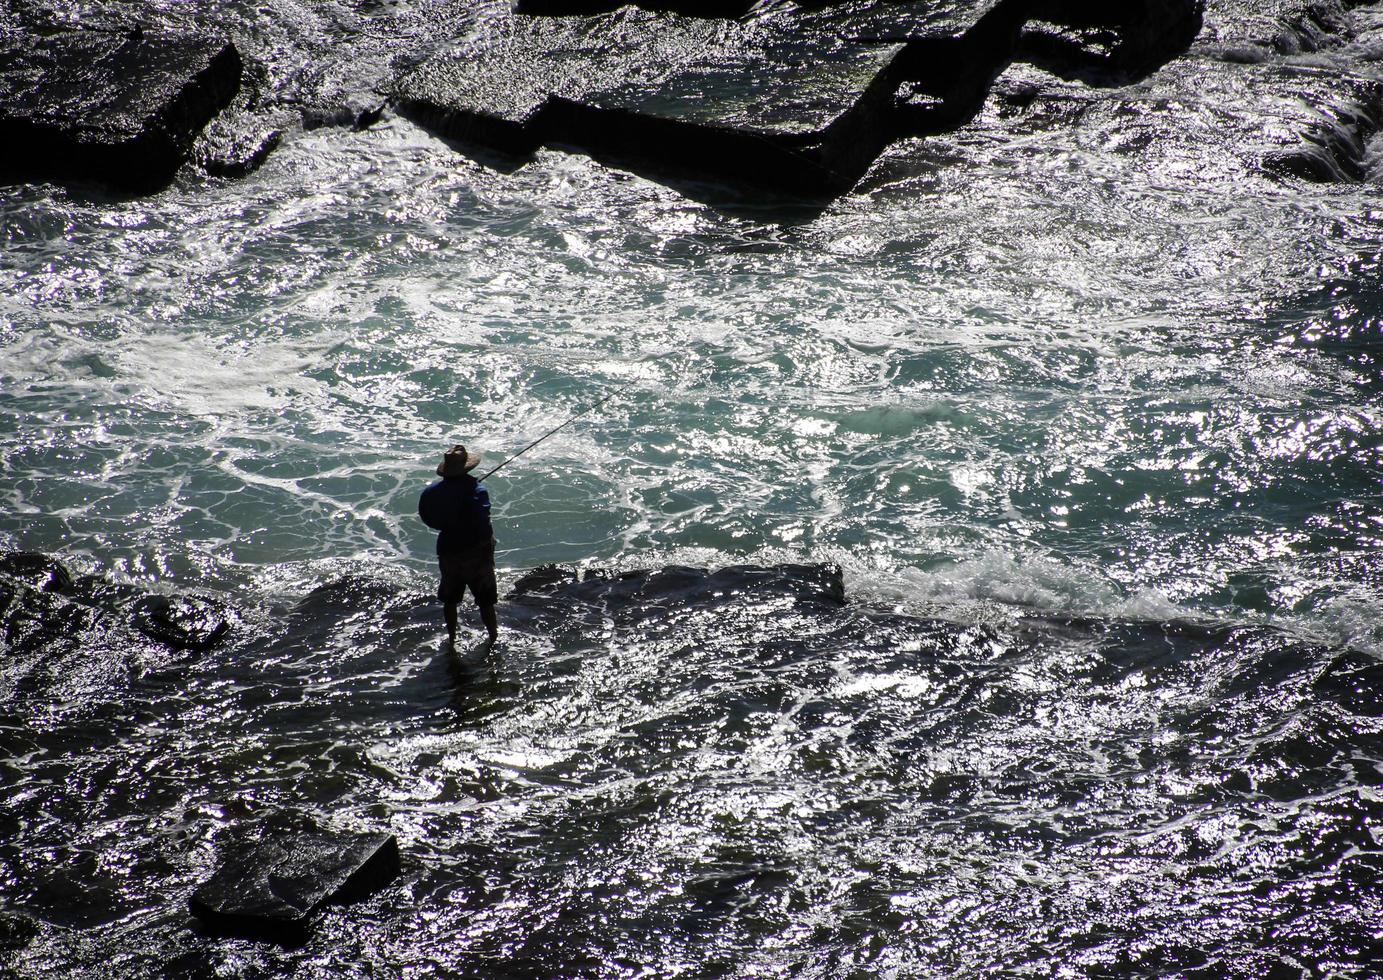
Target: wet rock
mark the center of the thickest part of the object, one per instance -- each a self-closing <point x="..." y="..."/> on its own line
<point x="37" y="570"/>
<point x="743" y="103"/>
<point x="798" y="100"/>
<point x="274" y="889"/>
<point x="356" y="112"/>
<point x="689" y="8"/>
<point x="99" y="591"/>
<point x="236" y="151"/>
<point x="344" y="597"/>
<point x="556" y="596"/>
<point x="949" y="77"/>
<point x="16" y="931"/>
<point x="36" y="624"/>
<point x="120" y="108"/>
<point x="182" y="621"/>
<point x="1355" y="681"/>
<point x="1334" y="147"/>
<point x="1108" y="44"/>
<point x="1315" y="27"/>
<point x="544" y="578"/>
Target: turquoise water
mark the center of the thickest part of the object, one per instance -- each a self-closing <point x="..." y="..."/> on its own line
<point x="1038" y="375"/>
<point x="1085" y="405"/>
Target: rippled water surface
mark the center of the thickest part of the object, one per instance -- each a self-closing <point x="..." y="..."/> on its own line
<point x="1086" y="407"/>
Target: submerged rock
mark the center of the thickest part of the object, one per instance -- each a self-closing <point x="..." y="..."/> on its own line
<point x="1107" y="44"/>
<point x="182" y="621"/>
<point x="236" y="151"/>
<point x="35" y="569"/>
<point x="45" y="612"/>
<point x="552" y="597"/>
<point x="120" y="108"/>
<point x="273" y="890"/>
<point x="354" y="111"/>
<point x="690" y="8"/>
<point x="16" y="931"/>
<point x="544" y="578"/>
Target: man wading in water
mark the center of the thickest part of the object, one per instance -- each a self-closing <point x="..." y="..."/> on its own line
<point x="458" y="507"/>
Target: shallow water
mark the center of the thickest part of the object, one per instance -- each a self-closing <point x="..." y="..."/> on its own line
<point x="1082" y="364"/>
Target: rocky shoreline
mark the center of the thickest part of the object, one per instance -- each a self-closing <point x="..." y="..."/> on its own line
<point x="798" y="100"/>
<point x="240" y="760"/>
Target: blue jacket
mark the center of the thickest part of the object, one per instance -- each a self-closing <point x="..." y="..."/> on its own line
<point x="459" y="508"/>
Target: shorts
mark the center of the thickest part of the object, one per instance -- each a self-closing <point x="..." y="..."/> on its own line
<point x="474" y="569"/>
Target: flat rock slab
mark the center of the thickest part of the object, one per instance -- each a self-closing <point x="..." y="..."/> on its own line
<point x="553" y="597"/>
<point x="273" y="890"/>
<point x="119" y="108"/>
<point x="805" y="112"/>
<point x="692" y="8"/>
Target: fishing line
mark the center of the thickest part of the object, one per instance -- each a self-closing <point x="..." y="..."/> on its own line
<point x="585" y="411"/>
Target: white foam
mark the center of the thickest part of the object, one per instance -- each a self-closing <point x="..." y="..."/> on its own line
<point x="972" y="588"/>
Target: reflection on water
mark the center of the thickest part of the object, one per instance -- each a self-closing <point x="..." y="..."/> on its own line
<point x="731" y="773"/>
<point x="1083" y="402"/>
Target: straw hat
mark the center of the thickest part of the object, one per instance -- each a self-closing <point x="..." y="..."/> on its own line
<point x="457" y="461"/>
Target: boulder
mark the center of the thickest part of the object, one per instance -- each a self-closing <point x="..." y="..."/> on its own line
<point x="119" y="108"/>
<point x="273" y="890"/>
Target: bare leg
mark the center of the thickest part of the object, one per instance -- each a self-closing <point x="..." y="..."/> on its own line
<point x="491" y="621"/>
<point x="449" y="610"/>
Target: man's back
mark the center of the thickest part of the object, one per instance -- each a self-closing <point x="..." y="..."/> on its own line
<point x="458" y="508"/>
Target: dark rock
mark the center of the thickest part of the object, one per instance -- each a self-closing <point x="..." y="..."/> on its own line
<point x="120" y="108"/>
<point x="689" y="8"/>
<point x="38" y="627"/>
<point x="237" y="152"/>
<point x="1100" y="44"/>
<point x="1108" y="44"/>
<point x="949" y="76"/>
<point x="1315" y="27"/>
<point x="97" y="590"/>
<point x="667" y="91"/>
<point x="344" y="597"/>
<point x="642" y="594"/>
<point x="1333" y="147"/>
<point x="544" y="578"/>
<point x="273" y="890"/>
<point x="37" y="570"/>
<point x="1311" y="162"/>
<point x="357" y="112"/>
<point x="1354" y="681"/>
<point x="16" y="931"/>
<point x="182" y="621"/>
<point x="801" y="101"/>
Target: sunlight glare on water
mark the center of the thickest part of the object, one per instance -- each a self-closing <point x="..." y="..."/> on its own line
<point x="1093" y="434"/>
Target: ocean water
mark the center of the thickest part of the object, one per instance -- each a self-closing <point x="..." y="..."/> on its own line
<point x="1085" y="405"/>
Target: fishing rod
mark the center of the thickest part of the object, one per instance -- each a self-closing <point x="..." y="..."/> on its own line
<point x="585" y="411"/>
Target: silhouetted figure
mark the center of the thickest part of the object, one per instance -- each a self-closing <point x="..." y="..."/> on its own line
<point x="458" y="507"/>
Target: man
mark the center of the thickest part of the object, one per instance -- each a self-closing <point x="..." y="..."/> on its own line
<point x="458" y="507"/>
